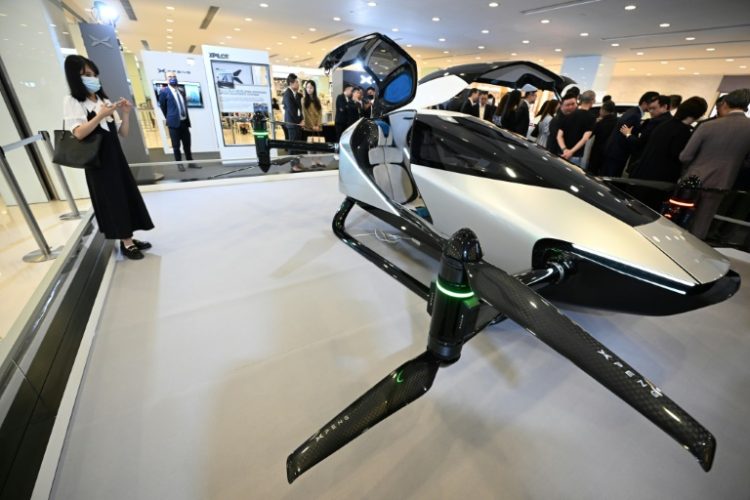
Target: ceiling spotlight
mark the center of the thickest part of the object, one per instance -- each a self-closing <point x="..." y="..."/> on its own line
<point x="631" y="69"/>
<point x="494" y="4"/>
<point x="696" y="73"/>
<point x="639" y="53"/>
<point x="446" y="52"/>
<point x="248" y="19"/>
<point x="372" y="4"/>
<point x="337" y="19"/>
<point x="729" y="60"/>
<point x="584" y="34"/>
<point x="664" y="25"/>
<point x="558" y="50"/>
<point x="395" y="30"/>
<point x="237" y="29"/>
<point x="615" y="45"/>
<point x="481" y="47"/>
<point x="744" y="66"/>
<point x="409" y="45"/>
<point x="264" y="5"/>
<point x="544" y="21"/>
<point x="441" y="39"/>
<point x="681" y="68"/>
<point x="525" y="41"/>
<point x="665" y="62"/>
<point x="630" y="7"/>
<point x="710" y="49"/>
<point x="513" y="54"/>
<point x="170" y="20"/>
<point x="169" y="7"/>
<point x="689" y="38"/>
<point x="436" y="19"/>
<point x="312" y="29"/>
<point x="169" y="36"/>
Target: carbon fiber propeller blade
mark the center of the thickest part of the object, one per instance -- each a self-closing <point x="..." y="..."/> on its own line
<point x="548" y="324"/>
<point x="402" y="386"/>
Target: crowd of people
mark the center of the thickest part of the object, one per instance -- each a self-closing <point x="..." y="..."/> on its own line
<point x="671" y="144"/>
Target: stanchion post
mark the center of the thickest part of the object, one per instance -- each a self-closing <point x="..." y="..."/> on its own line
<point x="44" y="253"/>
<point x="74" y="213"/>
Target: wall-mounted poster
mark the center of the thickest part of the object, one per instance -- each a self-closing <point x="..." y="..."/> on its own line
<point x="236" y="86"/>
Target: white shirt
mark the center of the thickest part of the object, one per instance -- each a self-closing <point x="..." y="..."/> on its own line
<point x="178" y="97"/>
<point x="75" y="112"/>
<point x="481" y="111"/>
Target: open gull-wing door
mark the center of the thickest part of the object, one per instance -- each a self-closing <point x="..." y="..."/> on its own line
<point x="394" y="72"/>
<point x="440" y="86"/>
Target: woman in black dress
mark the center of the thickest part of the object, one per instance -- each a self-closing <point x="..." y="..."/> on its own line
<point x="118" y="205"/>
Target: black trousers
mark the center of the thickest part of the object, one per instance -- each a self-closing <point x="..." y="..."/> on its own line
<point x="178" y="135"/>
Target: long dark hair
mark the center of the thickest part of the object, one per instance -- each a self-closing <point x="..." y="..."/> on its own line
<point x="74" y="66"/>
<point x="549" y="108"/>
<point x="311" y="99"/>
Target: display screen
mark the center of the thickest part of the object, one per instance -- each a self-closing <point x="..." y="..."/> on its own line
<point x="191" y="91"/>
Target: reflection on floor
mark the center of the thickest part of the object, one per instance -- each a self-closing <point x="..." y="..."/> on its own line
<point x="19" y="279"/>
<point x="249" y="325"/>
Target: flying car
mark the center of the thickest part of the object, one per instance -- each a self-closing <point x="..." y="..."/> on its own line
<point x="227" y="79"/>
<point x="548" y="232"/>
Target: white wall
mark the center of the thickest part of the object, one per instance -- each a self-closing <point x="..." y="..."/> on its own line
<point x="189" y="68"/>
<point x="628" y="89"/>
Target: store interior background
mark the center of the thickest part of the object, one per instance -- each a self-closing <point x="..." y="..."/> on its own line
<point x="668" y="46"/>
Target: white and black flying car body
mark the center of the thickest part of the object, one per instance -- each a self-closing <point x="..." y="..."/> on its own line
<point x="543" y="224"/>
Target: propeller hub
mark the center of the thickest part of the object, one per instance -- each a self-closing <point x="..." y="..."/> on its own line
<point x="463" y="246"/>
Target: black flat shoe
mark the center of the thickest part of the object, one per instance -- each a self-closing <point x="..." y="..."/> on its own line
<point x="130" y="252"/>
<point x="142" y="245"/>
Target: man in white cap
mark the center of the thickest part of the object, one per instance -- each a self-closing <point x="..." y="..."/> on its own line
<point x="526" y="110"/>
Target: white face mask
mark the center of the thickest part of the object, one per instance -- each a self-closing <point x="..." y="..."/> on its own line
<point x="91" y="83"/>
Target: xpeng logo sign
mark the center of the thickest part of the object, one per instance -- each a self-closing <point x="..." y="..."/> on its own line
<point x="215" y="55"/>
<point x="365" y="80"/>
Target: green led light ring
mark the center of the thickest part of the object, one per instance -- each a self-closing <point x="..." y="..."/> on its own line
<point x="451" y="293"/>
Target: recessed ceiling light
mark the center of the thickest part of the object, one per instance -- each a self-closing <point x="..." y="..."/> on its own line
<point x="478" y="58"/>
<point x="648" y="74"/>
<point x="665" y="62"/>
<point x="494" y="4"/>
<point x="66" y="33"/>
<point x="584" y="34"/>
<point x="631" y="69"/>
<point x="541" y="60"/>
<point x="696" y="73"/>
<point x="53" y="26"/>
<point x="710" y="49"/>
<point x="664" y="25"/>
<point x="409" y="45"/>
<point x="170" y="20"/>
<point x="169" y="36"/>
<point x="484" y="32"/>
<point x="513" y="54"/>
<point x="248" y="19"/>
<point x="689" y="38"/>
<point x="337" y="19"/>
<point x="639" y="53"/>
<point x="558" y="50"/>
<point x="419" y="55"/>
<point x="264" y="5"/>
<point x="268" y="48"/>
<point x="436" y="19"/>
<point x="293" y="37"/>
<point x="395" y="30"/>
<point x="681" y="68"/>
<point x="525" y="41"/>
<point x="441" y="39"/>
<point x="169" y="7"/>
<point x="222" y="43"/>
<point x="169" y="30"/>
<point x="446" y="52"/>
<point x="279" y="43"/>
<point x="615" y="45"/>
<point x="237" y="29"/>
<point x="372" y="4"/>
<point x="312" y="29"/>
<point x="729" y="60"/>
<point x="481" y="47"/>
<point x="744" y="66"/>
<point x="544" y="21"/>
<point x="630" y="7"/>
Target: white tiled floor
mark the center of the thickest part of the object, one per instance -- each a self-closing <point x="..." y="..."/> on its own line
<point x="19" y="279"/>
<point x="249" y="325"/>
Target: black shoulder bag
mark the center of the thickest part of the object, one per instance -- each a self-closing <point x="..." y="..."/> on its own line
<point x="71" y="152"/>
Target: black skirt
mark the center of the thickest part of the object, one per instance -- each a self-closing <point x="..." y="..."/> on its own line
<point x="118" y="204"/>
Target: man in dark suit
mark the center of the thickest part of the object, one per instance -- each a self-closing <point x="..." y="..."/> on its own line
<point x="616" y="151"/>
<point x="658" y="109"/>
<point x="343" y="101"/>
<point x="173" y="104"/>
<point x="486" y="110"/>
<point x="471" y="105"/>
<point x="292" y="102"/>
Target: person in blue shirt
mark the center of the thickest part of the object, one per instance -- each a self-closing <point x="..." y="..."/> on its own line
<point x="173" y="104"/>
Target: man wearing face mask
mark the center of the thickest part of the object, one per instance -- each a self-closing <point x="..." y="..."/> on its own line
<point x="173" y="104"/>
